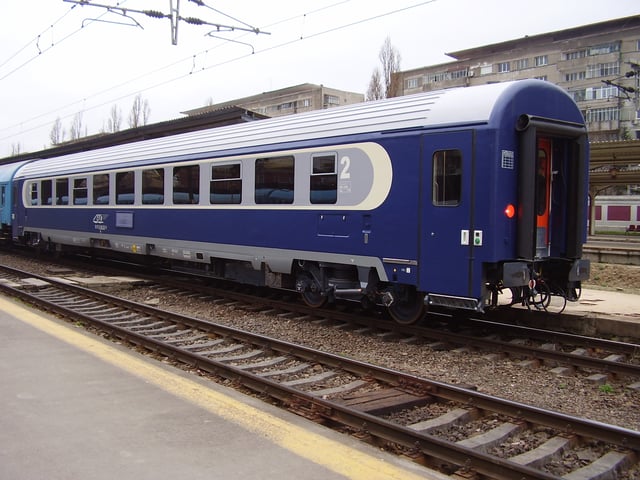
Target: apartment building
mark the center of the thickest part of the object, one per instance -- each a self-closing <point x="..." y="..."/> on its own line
<point x="286" y="101"/>
<point x="598" y="65"/>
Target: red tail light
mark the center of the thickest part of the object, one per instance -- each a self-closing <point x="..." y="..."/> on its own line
<point x="510" y="211"/>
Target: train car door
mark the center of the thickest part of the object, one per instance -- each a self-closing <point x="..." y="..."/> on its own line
<point x="446" y="230"/>
<point x="543" y="197"/>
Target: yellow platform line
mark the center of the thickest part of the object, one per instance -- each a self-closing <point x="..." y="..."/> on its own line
<point x="344" y="460"/>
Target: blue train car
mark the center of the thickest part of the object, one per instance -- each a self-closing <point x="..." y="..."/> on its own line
<point x="7" y="172"/>
<point x="443" y="198"/>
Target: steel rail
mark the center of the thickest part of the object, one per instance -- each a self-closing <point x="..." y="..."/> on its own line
<point x="423" y="443"/>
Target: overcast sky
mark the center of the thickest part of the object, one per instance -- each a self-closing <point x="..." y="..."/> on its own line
<point x="58" y="58"/>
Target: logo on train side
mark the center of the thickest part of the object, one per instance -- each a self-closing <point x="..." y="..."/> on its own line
<point x="99" y="220"/>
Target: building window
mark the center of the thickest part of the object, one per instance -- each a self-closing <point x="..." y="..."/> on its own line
<point x="274" y="180"/>
<point x="464" y="73"/>
<point x="603" y="70"/>
<point x="575" y="55"/>
<point x="601" y="93"/>
<point x="521" y="64"/>
<point x="486" y="69"/>
<point x="331" y="101"/>
<point x="575" y="76"/>
<point x="541" y="61"/>
<point x="124" y="188"/>
<point x="504" y="67"/>
<point x="412" y="83"/>
<point x="447" y="178"/>
<point x="186" y="185"/>
<point x="153" y="186"/>
<point x="541" y="77"/>
<point x="323" y="184"/>
<point x="226" y="184"/>
<point x="62" y="191"/>
<point x="80" y="191"/>
<point x="602" y="114"/>
<point x="578" y="95"/>
<point x="286" y="106"/>
<point x="306" y="102"/>
<point x="604" y="48"/>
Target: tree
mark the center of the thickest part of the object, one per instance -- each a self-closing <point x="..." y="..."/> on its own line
<point x="16" y="149"/>
<point x="115" y="120"/>
<point x="139" y="114"/>
<point x="384" y="84"/>
<point x="374" y="92"/>
<point x="57" y="132"/>
<point x="75" y="131"/>
<point x="390" y="60"/>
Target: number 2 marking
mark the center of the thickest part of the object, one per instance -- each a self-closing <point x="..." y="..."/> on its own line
<point x="346" y="165"/>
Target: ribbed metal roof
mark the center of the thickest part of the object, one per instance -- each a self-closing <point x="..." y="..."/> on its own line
<point x="460" y="106"/>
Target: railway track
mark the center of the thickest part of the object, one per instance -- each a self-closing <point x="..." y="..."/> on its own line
<point x="431" y="422"/>
<point x="600" y="358"/>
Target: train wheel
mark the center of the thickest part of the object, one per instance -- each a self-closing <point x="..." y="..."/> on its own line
<point x="310" y="291"/>
<point x="314" y="299"/>
<point x="408" y="308"/>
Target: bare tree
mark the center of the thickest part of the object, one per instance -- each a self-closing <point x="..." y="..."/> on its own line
<point x="385" y="84"/>
<point x="75" y="131"/>
<point x="56" y="135"/>
<point x="115" y="120"/>
<point x="139" y="114"/>
<point x="390" y="60"/>
<point x="374" y="91"/>
<point x="16" y="149"/>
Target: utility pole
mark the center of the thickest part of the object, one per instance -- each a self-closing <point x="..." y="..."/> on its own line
<point x="175" y="16"/>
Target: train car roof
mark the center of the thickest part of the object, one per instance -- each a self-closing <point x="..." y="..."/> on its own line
<point x="457" y="106"/>
<point x="8" y="170"/>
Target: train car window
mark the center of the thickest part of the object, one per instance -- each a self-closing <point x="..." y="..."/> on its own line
<point x="101" y="189"/>
<point x="124" y="188"/>
<point x="226" y="184"/>
<point x="34" y="193"/>
<point x="62" y="191"/>
<point x="186" y="184"/>
<point x="274" y="180"/>
<point x="323" y="187"/>
<point x="80" y="192"/>
<point x="46" y="192"/>
<point x="447" y="178"/>
<point x="153" y="186"/>
<point x="2" y="195"/>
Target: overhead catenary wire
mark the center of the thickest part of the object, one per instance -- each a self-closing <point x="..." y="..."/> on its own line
<point x="192" y="71"/>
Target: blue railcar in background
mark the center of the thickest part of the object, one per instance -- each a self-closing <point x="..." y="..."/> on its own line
<point x="444" y="198"/>
<point x="7" y="172"/>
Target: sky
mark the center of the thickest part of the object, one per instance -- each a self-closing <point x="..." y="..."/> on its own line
<point x="60" y="59"/>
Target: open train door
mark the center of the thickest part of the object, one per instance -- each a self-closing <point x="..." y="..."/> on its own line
<point x="552" y="189"/>
<point x="447" y="234"/>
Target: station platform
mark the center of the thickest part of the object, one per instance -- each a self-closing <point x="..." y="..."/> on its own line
<point x="599" y="312"/>
<point x="77" y="406"/>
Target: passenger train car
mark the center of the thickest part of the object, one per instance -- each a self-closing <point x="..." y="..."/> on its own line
<point x="442" y="198"/>
<point x="7" y="173"/>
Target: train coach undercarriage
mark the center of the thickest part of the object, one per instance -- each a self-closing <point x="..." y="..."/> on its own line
<point x="535" y="284"/>
<point x="317" y="282"/>
<point x="541" y="285"/>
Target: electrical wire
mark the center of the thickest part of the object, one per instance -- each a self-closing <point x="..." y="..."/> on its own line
<point x="209" y="67"/>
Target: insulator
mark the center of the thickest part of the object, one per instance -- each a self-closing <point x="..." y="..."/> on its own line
<point x="193" y="20"/>
<point x="153" y="13"/>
